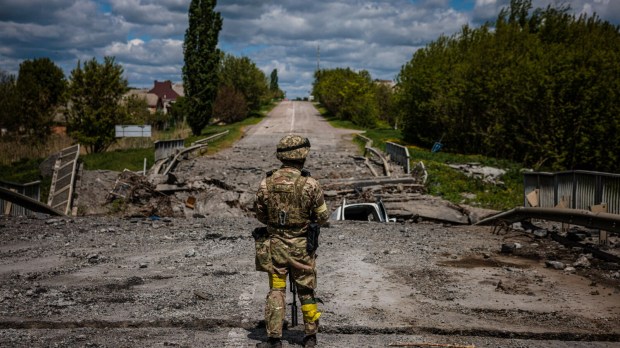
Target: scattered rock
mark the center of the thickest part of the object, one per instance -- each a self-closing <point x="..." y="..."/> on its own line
<point x="582" y="262"/>
<point x="555" y="264"/>
<point x="540" y="233"/>
<point x="201" y="295"/>
<point x="509" y="248"/>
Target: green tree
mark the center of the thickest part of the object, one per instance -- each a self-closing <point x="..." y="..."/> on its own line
<point x="202" y="57"/>
<point x="347" y="95"/>
<point x="40" y="86"/>
<point x="177" y="110"/>
<point x="274" y="88"/>
<point x="230" y="105"/>
<point x="8" y="102"/>
<point x="384" y="95"/>
<point x="95" y="92"/>
<point x="243" y="75"/>
<point x="537" y="86"/>
<point x="137" y="110"/>
<point x="273" y="81"/>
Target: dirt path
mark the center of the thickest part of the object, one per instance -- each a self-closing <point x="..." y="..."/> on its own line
<point x="190" y="282"/>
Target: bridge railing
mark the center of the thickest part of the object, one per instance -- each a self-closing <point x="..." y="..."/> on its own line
<point x="398" y="154"/>
<point x="31" y="189"/>
<point x="578" y="189"/>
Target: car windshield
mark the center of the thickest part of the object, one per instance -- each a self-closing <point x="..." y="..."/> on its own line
<point x="361" y="212"/>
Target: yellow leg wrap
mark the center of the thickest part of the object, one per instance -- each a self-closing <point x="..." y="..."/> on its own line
<point x="277" y="281"/>
<point x="311" y="314"/>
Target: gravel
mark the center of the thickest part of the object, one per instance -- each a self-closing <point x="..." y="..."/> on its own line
<point x="116" y="280"/>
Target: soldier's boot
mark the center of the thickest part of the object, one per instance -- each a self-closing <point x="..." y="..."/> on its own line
<point x="273" y="342"/>
<point x="310" y="341"/>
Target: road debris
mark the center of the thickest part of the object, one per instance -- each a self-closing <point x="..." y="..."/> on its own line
<point x="411" y="344"/>
<point x="487" y="174"/>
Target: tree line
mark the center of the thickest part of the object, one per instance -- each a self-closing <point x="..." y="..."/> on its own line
<point x="218" y="86"/>
<point x="537" y="86"/>
<point x="354" y="96"/>
<point x="91" y="101"/>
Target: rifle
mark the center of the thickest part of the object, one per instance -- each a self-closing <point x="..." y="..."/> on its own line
<point x="312" y="240"/>
<point x="294" y="310"/>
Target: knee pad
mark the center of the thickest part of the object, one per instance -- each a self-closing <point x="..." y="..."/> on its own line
<point x="277" y="281"/>
<point x="311" y="313"/>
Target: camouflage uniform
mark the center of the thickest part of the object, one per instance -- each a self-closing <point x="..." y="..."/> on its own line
<point x="287" y="200"/>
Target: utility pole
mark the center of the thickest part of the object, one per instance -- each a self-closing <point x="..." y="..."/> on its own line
<point x="318" y="58"/>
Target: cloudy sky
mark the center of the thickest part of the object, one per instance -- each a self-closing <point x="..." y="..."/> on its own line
<point x="146" y="36"/>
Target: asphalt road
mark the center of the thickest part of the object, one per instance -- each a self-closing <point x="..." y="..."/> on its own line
<point x="110" y="282"/>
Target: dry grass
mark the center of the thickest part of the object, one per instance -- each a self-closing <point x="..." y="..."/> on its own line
<point x="12" y="151"/>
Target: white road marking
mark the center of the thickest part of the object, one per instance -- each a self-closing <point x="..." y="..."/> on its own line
<point x="293" y="120"/>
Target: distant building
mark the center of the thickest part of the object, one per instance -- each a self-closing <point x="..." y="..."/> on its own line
<point x="178" y="87"/>
<point x="167" y="92"/>
<point x="388" y="83"/>
<point x="154" y="102"/>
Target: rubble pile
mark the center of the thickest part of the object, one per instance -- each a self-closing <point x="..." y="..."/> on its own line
<point x="134" y="195"/>
<point x="526" y="240"/>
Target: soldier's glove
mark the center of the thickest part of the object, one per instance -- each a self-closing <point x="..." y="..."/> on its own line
<point x="259" y="232"/>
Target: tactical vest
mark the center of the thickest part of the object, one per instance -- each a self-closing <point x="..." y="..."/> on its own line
<point x="285" y="202"/>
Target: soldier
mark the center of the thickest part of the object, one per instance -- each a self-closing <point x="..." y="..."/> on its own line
<point x="288" y="201"/>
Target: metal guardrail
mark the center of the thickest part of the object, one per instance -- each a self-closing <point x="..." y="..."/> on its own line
<point x="577" y="189"/>
<point x="207" y="139"/>
<point x="604" y="221"/>
<point x="366" y="139"/>
<point x="168" y="148"/>
<point x="399" y="154"/>
<point x="176" y="158"/>
<point x="31" y="190"/>
<point x="63" y="180"/>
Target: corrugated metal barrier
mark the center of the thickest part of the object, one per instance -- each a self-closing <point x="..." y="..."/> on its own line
<point x="61" y="191"/>
<point x="168" y="148"/>
<point x="399" y="154"/>
<point x="31" y="189"/>
<point x="577" y="189"/>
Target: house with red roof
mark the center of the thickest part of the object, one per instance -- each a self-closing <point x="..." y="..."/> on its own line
<point x="167" y="92"/>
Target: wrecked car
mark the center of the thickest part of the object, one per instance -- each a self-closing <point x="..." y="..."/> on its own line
<point x="361" y="212"/>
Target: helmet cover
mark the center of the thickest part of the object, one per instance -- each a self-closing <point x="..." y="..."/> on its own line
<point x="293" y="148"/>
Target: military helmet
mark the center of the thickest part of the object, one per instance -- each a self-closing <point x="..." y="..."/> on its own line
<point x="293" y="148"/>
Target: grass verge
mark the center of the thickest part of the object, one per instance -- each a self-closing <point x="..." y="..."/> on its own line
<point x="133" y="158"/>
<point x="25" y="171"/>
<point x="119" y="160"/>
<point x="130" y="153"/>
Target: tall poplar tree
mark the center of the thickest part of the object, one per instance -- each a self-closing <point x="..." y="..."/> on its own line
<point x="202" y="58"/>
<point x="273" y="81"/>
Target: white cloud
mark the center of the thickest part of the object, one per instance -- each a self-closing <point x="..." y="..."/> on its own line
<point x="155" y="52"/>
<point x="146" y="36"/>
<point x="485" y="2"/>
